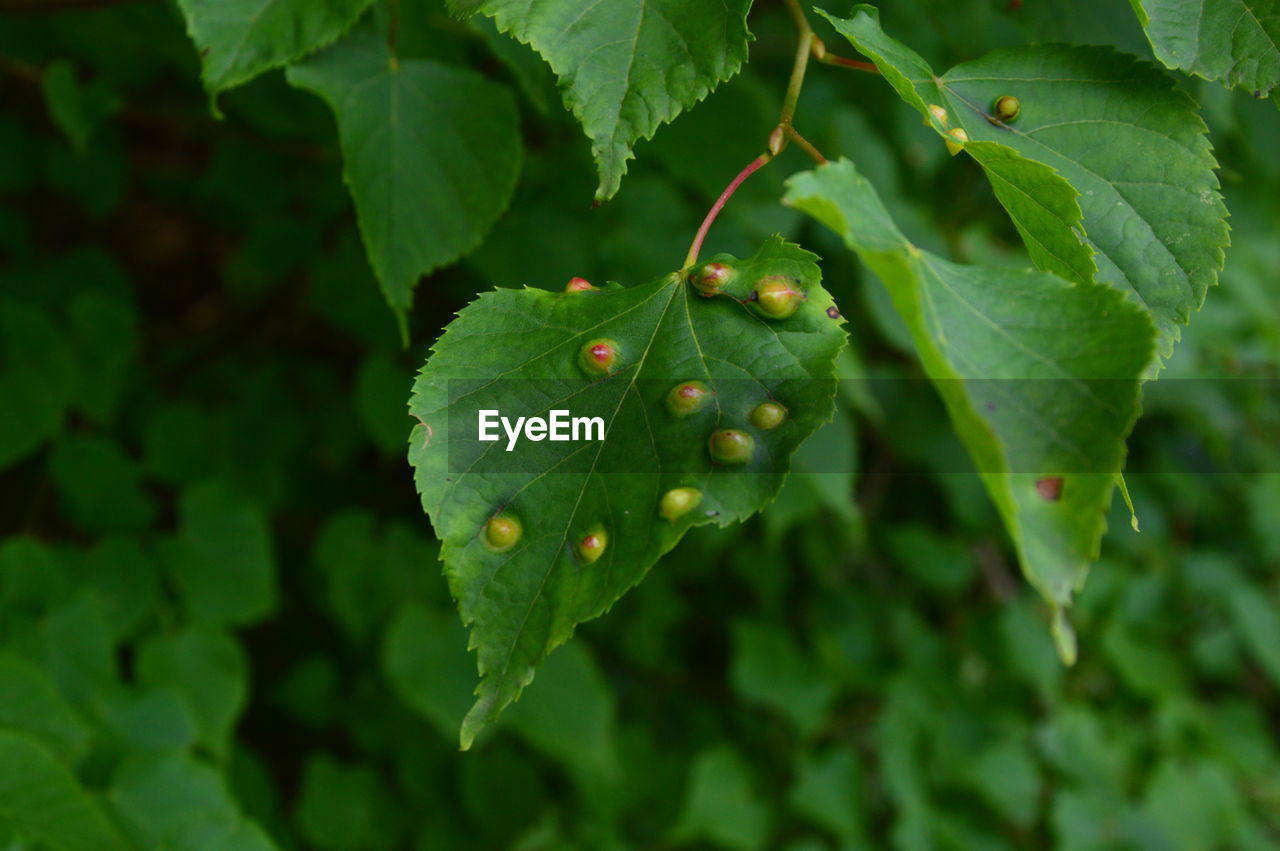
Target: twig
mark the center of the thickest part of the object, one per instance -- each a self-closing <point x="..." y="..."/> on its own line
<point x="752" y="168"/>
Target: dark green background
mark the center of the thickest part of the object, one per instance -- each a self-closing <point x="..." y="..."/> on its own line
<point x="215" y="576"/>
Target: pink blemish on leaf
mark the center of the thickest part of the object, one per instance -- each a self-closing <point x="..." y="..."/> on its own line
<point x="1049" y="488"/>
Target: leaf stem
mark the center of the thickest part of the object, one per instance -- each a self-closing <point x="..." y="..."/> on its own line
<point x="393" y="27"/>
<point x="752" y="168"/>
<point x="804" y="144"/>
<point x="832" y="59"/>
<point x="809" y="45"/>
<point x="803" y="49"/>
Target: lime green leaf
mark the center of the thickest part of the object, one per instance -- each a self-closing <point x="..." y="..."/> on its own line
<point x="222" y="561"/>
<point x="1040" y="376"/>
<point x="209" y="669"/>
<point x="42" y="803"/>
<point x="240" y="39"/>
<point x="627" y="68"/>
<point x="518" y="352"/>
<point x="1115" y="129"/>
<point x="431" y="155"/>
<point x="1234" y="41"/>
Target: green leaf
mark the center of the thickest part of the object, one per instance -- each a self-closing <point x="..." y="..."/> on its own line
<point x="222" y="561"/>
<point x="73" y="108"/>
<point x="42" y="803"/>
<point x="569" y="715"/>
<point x="154" y="720"/>
<point x="768" y="668"/>
<point x="424" y="656"/>
<point x="828" y="792"/>
<point x="1115" y="129"/>
<point x="627" y="68"/>
<point x="1257" y="618"/>
<point x="1234" y="41"/>
<point x="99" y="484"/>
<point x="345" y="807"/>
<point x="431" y="155"/>
<point x="379" y="399"/>
<point x="1039" y="376"/>
<point x="37" y="379"/>
<point x="209" y="669"/>
<point x="240" y="39"/>
<point x="175" y="801"/>
<point x="518" y="352"/>
<point x="721" y="805"/>
<point x="30" y="702"/>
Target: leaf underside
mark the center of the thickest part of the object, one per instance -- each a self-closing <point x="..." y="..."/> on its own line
<point x="1040" y="375"/>
<point x="1236" y="42"/>
<point x="1115" y="131"/>
<point x="516" y="351"/>
<point x="240" y="39"/>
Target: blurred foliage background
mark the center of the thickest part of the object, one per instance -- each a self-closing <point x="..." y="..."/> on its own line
<point x="222" y="622"/>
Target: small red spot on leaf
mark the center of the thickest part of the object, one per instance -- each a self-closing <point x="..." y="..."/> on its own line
<point x="1049" y="488"/>
<point x="833" y="312"/>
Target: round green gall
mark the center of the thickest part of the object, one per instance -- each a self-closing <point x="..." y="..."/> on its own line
<point x="1006" y="108"/>
<point x="599" y="357"/>
<point x="730" y="446"/>
<point x="678" y="502"/>
<point x="502" y="532"/>
<point x="592" y="545"/>
<point x="710" y="278"/>
<point x="578" y="285"/>
<point x="777" y="296"/>
<point x="767" y="415"/>
<point x="687" y="397"/>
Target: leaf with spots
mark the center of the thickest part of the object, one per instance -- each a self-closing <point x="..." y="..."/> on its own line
<point x="626" y="67"/>
<point x="540" y="534"/>
<point x="431" y="155"/>
<point x="240" y="39"/>
<point x="1040" y="377"/>
<point x="1234" y="41"/>
<point x="1110" y="128"/>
